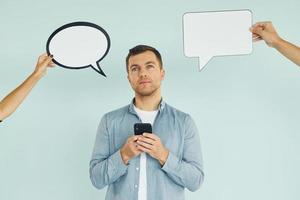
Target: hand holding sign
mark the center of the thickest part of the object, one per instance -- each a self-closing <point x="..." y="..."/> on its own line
<point x="79" y="45"/>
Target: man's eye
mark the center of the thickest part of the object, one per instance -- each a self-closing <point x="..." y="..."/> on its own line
<point x="133" y="69"/>
<point x="150" y="66"/>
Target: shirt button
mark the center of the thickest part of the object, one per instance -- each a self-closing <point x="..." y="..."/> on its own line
<point x="135" y="186"/>
<point x="137" y="168"/>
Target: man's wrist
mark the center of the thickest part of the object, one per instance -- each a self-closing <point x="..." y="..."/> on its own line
<point x="164" y="157"/>
<point x="278" y="43"/>
<point x="124" y="157"/>
<point x="37" y="75"/>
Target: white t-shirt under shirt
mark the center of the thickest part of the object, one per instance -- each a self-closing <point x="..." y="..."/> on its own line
<point x="146" y="117"/>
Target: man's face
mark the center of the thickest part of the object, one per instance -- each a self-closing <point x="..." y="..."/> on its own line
<point x="145" y="73"/>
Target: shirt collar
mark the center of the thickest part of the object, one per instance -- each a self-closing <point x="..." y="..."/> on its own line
<point x="161" y="106"/>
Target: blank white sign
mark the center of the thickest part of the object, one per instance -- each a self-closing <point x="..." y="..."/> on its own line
<point x="220" y="33"/>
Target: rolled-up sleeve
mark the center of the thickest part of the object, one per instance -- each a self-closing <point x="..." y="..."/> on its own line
<point x="188" y="171"/>
<point x="105" y="168"/>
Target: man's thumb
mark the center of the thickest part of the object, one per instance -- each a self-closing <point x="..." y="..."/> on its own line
<point x="258" y="30"/>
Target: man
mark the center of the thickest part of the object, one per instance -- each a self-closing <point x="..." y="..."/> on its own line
<point x="265" y="31"/>
<point x="11" y="102"/>
<point x="150" y="166"/>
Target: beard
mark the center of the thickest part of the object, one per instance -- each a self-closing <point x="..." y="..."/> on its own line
<point x="145" y="92"/>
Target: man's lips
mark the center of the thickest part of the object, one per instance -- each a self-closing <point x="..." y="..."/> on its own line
<point x="144" y="81"/>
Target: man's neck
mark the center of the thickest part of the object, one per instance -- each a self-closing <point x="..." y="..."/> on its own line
<point x="148" y="103"/>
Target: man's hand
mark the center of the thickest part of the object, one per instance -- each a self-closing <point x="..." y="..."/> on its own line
<point x="265" y="31"/>
<point x="129" y="149"/>
<point x="151" y="144"/>
<point x="43" y="62"/>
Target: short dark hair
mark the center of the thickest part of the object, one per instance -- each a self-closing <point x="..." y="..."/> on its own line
<point x="141" y="49"/>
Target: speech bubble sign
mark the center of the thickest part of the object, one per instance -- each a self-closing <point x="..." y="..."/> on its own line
<point x="217" y="33"/>
<point x="79" y="45"/>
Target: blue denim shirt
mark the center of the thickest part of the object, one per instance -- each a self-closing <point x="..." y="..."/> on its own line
<point x="183" y="168"/>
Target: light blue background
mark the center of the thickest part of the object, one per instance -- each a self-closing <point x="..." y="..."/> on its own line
<point x="246" y="107"/>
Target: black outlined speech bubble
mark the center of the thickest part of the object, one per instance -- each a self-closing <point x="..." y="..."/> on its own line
<point x="79" y="45"/>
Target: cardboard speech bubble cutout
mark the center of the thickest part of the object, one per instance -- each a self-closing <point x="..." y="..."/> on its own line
<point x="79" y="45"/>
<point x="217" y="33"/>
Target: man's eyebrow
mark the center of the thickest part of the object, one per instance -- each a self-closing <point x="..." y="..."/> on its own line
<point x="150" y="62"/>
<point x="133" y="65"/>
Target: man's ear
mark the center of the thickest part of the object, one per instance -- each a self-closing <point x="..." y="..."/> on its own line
<point x="128" y="78"/>
<point x="162" y="74"/>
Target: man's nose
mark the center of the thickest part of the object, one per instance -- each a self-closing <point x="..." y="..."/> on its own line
<point x="143" y="72"/>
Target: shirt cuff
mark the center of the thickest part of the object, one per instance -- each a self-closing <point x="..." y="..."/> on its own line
<point x="171" y="164"/>
<point x="118" y="163"/>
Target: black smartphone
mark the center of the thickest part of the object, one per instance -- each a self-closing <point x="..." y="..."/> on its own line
<point x="140" y="128"/>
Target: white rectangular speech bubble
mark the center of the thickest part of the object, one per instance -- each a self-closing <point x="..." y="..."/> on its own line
<point x="218" y="33"/>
